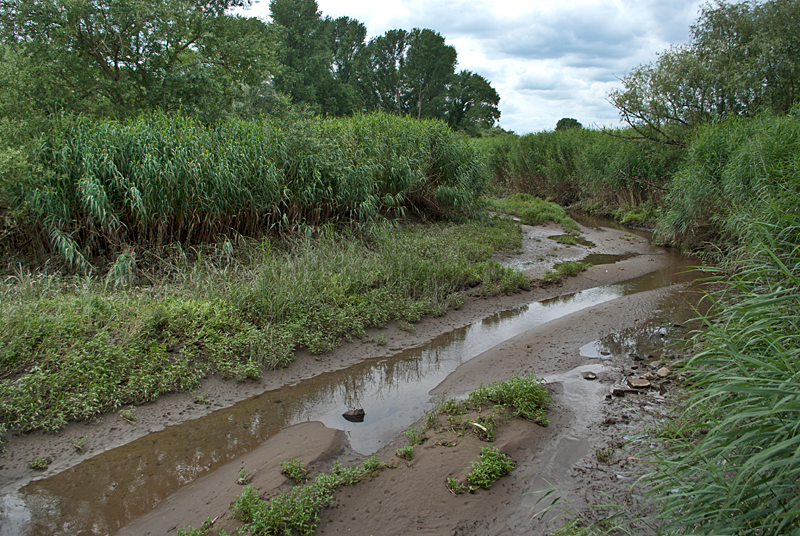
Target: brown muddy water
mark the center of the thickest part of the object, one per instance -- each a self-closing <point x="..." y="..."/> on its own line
<point x="104" y="493"/>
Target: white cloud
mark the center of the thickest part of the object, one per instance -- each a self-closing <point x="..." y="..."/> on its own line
<point x="546" y="59"/>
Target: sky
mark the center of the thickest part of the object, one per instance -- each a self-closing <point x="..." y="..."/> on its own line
<point x="546" y="59"/>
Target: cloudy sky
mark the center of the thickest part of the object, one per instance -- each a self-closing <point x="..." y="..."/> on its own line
<point x="546" y="59"/>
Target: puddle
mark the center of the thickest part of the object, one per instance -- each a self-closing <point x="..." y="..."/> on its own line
<point x="103" y="493"/>
<point x="578" y="240"/>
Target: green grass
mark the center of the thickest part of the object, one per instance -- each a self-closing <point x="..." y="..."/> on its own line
<point x="298" y="508"/>
<point x="534" y="211"/>
<point x="565" y="269"/>
<point x="72" y="347"/>
<point x="523" y="395"/>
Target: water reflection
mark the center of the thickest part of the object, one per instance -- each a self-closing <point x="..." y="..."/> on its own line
<point x="105" y="492"/>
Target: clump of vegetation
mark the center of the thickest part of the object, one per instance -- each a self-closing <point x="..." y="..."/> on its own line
<point x="492" y="465"/>
<point x="406" y="453"/>
<point x="40" y="464"/>
<point x="294" y="470"/>
<point x="736" y="444"/>
<point x="415" y="436"/>
<point x="298" y="508"/>
<point x="565" y="269"/>
<point x="534" y="211"/>
<point x="129" y="414"/>
<point x="523" y="395"/>
<point x="565" y="239"/>
<point x="456" y="487"/>
<point x="79" y="443"/>
<point x="605" y="455"/>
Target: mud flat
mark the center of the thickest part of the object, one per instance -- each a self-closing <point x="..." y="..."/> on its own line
<point x="177" y="465"/>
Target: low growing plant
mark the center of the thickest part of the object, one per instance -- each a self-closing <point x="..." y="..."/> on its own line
<point x="298" y="508"/>
<point x="294" y="470"/>
<point x="524" y="395"/>
<point x="415" y="436"/>
<point x="492" y="465"/>
<point x="40" y="464"/>
<point x="405" y="453"/>
<point x="456" y="487"/>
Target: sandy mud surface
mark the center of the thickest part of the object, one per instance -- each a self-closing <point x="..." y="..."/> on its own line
<point x="613" y="340"/>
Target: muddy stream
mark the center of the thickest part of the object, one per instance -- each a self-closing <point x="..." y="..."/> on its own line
<point x="105" y="492"/>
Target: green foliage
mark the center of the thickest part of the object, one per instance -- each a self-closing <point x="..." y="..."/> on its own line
<point x="565" y="269"/>
<point x="295" y="470"/>
<point x="492" y="465"/>
<point x="40" y="464"/>
<point x="298" y="509"/>
<point x="71" y="347"/>
<point x="741" y="61"/>
<point x="456" y="487"/>
<point x="405" y="453"/>
<point x="737" y="172"/>
<point x="566" y="123"/>
<point x="116" y="58"/>
<point x="733" y="467"/>
<point x="79" y="443"/>
<point x="471" y="103"/>
<point x="97" y="186"/>
<point x="523" y="394"/>
<point x="415" y="436"/>
<point x="534" y="211"/>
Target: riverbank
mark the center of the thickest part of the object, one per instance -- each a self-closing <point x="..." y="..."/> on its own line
<point x="109" y="431"/>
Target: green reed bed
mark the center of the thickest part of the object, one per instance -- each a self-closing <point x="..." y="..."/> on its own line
<point x="94" y="187"/>
<point x="736" y="470"/>
<point x="73" y="346"/>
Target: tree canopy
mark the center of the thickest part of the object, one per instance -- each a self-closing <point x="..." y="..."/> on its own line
<point x="118" y="58"/>
<point x="743" y="58"/>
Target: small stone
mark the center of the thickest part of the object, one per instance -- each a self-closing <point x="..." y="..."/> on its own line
<point x="648" y="376"/>
<point x="662" y="389"/>
<point x="655" y="365"/>
<point x="605" y="352"/>
<point x="354" y="415"/>
<point x="589" y="375"/>
<point x="663" y="372"/>
<point x="638" y="383"/>
<point x="617" y="391"/>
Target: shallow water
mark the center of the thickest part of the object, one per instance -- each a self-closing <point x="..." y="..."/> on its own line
<point x="104" y="493"/>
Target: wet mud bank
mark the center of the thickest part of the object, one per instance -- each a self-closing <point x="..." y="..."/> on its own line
<point x="173" y="467"/>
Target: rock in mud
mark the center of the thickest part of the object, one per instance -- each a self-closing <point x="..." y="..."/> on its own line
<point x="638" y="383"/>
<point x="589" y="375"/>
<point x="619" y="390"/>
<point x="354" y="415"/>
<point x="663" y="372"/>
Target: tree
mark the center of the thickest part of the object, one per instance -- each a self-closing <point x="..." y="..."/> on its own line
<point x="346" y="42"/>
<point x="380" y="72"/>
<point x="565" y="123"/>
<point x="305" y="55"/>
<point x="471" y="103"/>
<point x="406" y="73"/>
<point x="428" y="66"/>
<point x="743" y="58"/>
<point x="119" y="56"/>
